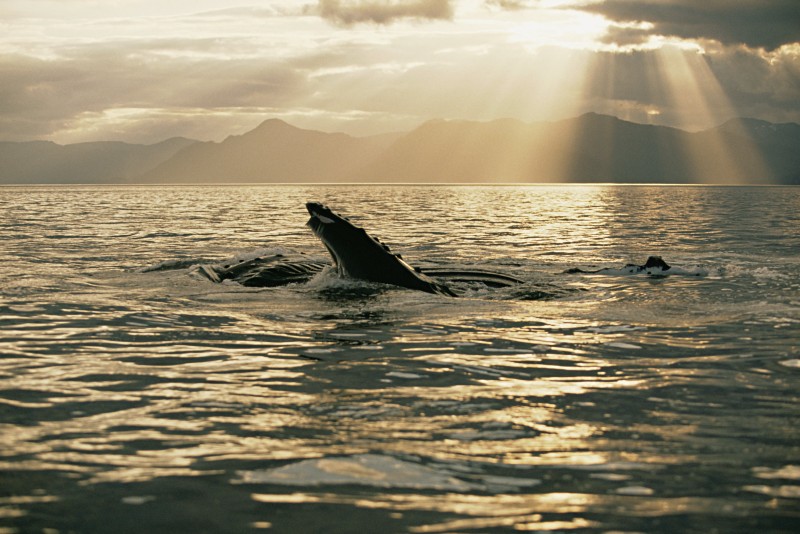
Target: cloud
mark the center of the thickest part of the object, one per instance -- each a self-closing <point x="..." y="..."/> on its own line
<point x="765" y="24"/>
<point x="760" y="85"/>
<point x="625" y="36"/>
<point x="756" y="84"/>
<point x="348" y="12"/>
<point x="508" y="4"/>
<point x="39" y="97"/>
<point x="211" y="75"/>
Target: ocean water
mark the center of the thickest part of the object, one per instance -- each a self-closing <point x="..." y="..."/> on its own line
<point x="136" y="396"/>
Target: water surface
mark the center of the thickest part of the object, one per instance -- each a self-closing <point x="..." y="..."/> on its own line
<point x="136" y="400"/>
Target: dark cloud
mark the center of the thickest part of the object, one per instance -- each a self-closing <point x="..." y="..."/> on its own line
<point x="757" y="84"/>
<point x="348" y="12"/>
<point x="760" y="85"/>
<point x="625" y="36"/>
<point x="765" y="24"/>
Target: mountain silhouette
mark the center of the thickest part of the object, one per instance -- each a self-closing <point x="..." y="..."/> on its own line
<point x="273" y="152"/>
<point x="590" y="148"/>
<point x="44" y="162"/>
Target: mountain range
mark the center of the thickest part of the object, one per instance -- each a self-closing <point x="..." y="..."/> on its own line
<point x="589" y="148"/>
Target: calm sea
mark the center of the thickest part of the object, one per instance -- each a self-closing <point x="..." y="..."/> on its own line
<point x="137" y="400"/>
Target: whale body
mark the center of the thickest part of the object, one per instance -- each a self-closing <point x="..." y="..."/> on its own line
<point x="355" y="254"/>
<point x="264" y="271"/>
<point x="654" y="267"/>
<point x="358" y="255"/>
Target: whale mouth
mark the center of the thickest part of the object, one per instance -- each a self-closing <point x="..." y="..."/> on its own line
<point x="322" y="213"/>
<point x="317" y="221"/>
<point x="337" y="234"/>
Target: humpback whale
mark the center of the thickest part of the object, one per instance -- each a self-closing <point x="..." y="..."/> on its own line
<point x="654" y="266"/>
<point x="356" y="254"/>
<point x="359" y="255"/>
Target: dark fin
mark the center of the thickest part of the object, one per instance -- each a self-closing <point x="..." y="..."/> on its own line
<point x="656" y="261"/>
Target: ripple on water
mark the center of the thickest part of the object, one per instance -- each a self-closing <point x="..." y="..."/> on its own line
<point x="161" y="400"/>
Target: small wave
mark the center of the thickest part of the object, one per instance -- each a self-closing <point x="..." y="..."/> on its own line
<point x="384" y="471"/>
<point x="328" y="284"/>
<point x="173" y="265"/>
<point x="362" y="469"/>
<point x="760" y="273"/>
<point x="158" y="235"/>
<point x="538" y="291"/>
<point x="186" y="263"/>
<point x="328" y="278"/>
<point x="262" y="252"/>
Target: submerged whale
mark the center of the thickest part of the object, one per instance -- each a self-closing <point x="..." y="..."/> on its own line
<point x="264" y="271"/>
<point x="654" y="266"/>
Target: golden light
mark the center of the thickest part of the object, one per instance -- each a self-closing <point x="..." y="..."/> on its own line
<point x="180" y="70"/>
<point x="698" y="100"/>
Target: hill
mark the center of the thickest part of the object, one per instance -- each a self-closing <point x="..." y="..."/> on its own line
<point x="589" y="148"/>
<point x="43" y="162"/>
<point x="273" y="152"/>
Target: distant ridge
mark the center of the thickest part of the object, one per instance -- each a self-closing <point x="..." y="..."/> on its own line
<point x="43" y="162"/>
<point x="589" y="148"/>
<point x="273" y="152"/>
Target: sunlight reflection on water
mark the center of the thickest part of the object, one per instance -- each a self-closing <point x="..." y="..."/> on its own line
<point x="574" y="402"/>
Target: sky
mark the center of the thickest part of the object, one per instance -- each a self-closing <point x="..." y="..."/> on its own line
<point x="145" y="70"/>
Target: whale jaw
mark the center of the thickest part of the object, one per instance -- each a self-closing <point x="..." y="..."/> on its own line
<point x="357" y="254"/>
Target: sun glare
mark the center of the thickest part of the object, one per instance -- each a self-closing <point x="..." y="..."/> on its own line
<point x="559" y="28"/>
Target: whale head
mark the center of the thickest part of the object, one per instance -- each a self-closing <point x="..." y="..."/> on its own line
<point x="359" y="255"/>
<point x="655" y="262"/>
<point x="349" y="246"/>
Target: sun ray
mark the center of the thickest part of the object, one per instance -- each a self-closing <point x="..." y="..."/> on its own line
<point x="555" y="91"/>
<point x="696" y="98"/>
